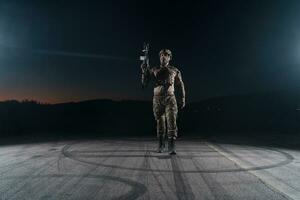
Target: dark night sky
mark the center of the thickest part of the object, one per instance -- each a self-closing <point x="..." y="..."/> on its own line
<point x="71" y="51"/>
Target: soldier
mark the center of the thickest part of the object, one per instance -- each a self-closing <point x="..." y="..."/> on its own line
<point x="165" y="77"/>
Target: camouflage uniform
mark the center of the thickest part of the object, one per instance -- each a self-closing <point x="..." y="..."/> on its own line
<point x="164" y="101"/>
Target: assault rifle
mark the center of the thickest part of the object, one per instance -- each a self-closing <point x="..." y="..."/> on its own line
<point x="145" y="57"/>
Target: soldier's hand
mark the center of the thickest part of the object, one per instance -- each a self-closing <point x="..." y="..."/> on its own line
<point x="143" y="68"/>
<point x="182" y="103"/>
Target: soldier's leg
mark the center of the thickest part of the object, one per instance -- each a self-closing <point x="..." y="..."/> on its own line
<point x="158" y="110"/>
<point x="161" y="126"/>
<point x="171" y="117"/>
<point x="161" y="132"/>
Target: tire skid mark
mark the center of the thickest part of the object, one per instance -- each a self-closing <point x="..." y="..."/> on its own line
<point x="24" y="182"/>
<point x="86" y="174"/>
<point x="109" y="173"/>
<point x="214" y="187"/>
<point x="146" y="165"/>
<point x="135" y="150"/>
<point x="158" y="174"/>
<point x="112" y="170"/>
<point x="287" y="159"/>
<point x="57" y="164"/>
<point x="272" y="188"/>
<point x="136" y="191"/>
<point x="159" y="183"/>
<point x="287" y="167"/>
<point x="14" y="166"/>
<point x="136" y="156"/>
<point x="183" y="189"/>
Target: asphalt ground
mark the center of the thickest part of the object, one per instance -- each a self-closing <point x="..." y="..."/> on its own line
<point x="130" y="168"/>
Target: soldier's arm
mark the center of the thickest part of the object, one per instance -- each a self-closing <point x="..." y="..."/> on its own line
<point x="146" y="76"/>
<point x="179" y="83"/>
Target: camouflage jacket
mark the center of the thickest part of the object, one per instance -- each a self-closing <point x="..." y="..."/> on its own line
<point x="164" y="78"/>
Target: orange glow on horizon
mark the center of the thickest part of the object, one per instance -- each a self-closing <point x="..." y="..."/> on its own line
<point x="62" y="99"/>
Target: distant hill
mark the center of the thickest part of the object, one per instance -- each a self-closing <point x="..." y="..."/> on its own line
<point x="274" y="111"/>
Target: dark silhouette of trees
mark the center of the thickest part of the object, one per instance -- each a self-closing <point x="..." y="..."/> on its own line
<point x="275" y="111"/>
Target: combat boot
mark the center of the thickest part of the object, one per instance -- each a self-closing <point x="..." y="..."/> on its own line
<point x="171" y="146"/>
<point x="161" y="144"/>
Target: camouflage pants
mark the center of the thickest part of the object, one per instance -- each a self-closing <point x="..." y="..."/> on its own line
<point x="165" y="113"/>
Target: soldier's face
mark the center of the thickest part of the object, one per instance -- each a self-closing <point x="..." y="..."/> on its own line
<point x="164" y="58"/>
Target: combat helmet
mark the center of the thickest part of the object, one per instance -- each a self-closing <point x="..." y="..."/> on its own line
<point x="165" y="51"/>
